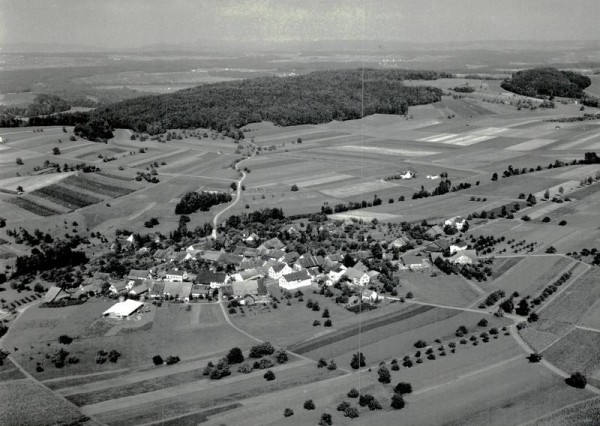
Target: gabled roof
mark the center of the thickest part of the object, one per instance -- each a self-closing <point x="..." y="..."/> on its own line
<point x="52" y="294"/>
<point x="124" y="309"/>
<point x="205" y="276"/>
<point x="278" y="267"/>
<point x="249" y="273"/>
<point x="180" y="289"/>
<point x="291" y="257"/>
<point x="138" y="273"/>
<point x="296" y="276"/>
<point x="334" y="257"/>
<point x="179" y="273"/>
<point x="251" y="263"/>
<point x="353" y="273"/>
<point x="242" y="288"/>
<point x="309" y="261"/>
<point x="211" y="255"/>
<point x="230" y="259"/>
<point x="273" y="243"/>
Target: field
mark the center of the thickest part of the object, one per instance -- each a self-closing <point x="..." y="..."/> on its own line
<point x="584" y="413"/>
<point x="452" y="290"/>
<point x="577" y="351"/>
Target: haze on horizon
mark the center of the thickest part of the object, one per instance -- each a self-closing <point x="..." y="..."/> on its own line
<point x="134" y="23"/>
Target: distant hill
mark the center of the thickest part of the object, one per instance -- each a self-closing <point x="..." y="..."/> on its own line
<point x="541" y="82"/>
<point x="314" y="98"/>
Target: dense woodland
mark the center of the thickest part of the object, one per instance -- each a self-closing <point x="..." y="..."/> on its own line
<point x="541" y="82"/>
<point x="203" y="201"/>
<point x="318" y="97"/>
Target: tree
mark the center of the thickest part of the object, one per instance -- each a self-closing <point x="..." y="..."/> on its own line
<point x="332" y="366"/>
<point x="384" y="375"/>
<point x="577" y="380"/>
<point x="534" y="357"/>
<point x="64" y="339"/>
<point x="288" y="412"/>
<point x="397" y="401"/>
<point x="547" y="194"/>
<point x="269" y="376"/>
<point x="309" y="404"/>
<point x="482" y="323"/>
<point x="55" y="151"/>
<point x="157" y="360"/>
<point x="351" y="412"/>
<point x="281" y="356"/>
<point x="321" y="363"/>
<point x="325" y="313"/>
<point x="353" y="393"/>
<point x="420" y="344"/>
<point x="233" y="186"/>
<point x="19" y="161"/>
<point x="403" y="388"/>
<point x="113" y="356"/>
<point x="294" y="188"/>
<point x="358" y="360"/>
<point x="495" y="177"/>
<point x="235" y="356"/>
<point x="325" y="417"/>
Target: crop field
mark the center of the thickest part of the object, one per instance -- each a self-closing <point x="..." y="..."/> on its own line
<point x="577" y="351"/>
<point x="531" y="275"/>
<point x="38" y="208"/>
<point x="390" y="336"/>
<point x="583" y="413"/>
<point x="17" y="407"/>
<point x="573" y="304"/>
<point x="451" y="290"/>
<point x="544" y="333"/>
<point x="65" y="197"/>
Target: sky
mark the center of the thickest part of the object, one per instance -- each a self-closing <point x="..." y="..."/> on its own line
<point x="134" y="23"/>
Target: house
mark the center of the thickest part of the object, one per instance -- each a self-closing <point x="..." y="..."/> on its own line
<point x="357" y="277"/>
<point x="373" y="275"/>
<point x="120" y="286"/>
<point x="212" y="279"/>
<point x="230" y="259"/>
<point x="413" y="263"/>
<point x="291" y="257"/>
<point x="360" y="267"/>
<point x="211" y="255"/>
<point x="135" y="274"/>
<point x="369" y="296"/>
<point x="274" y="254"/>
<point x="178" y="290"/>
<point x="123" y="310"/>
<point x="335" y="274"/>
<point x="434" y="232"/>
<point x="273" y="243"/>
<point x="156" y="290"/>
<point x="400" y="242"/>
<point x="243" y="288"/>
<point x="438" y="246"/>
<point x="271" y="288"/>
<point x="140" y="288"/>
<point x="308" y="261"/>
<point x="176" y="275"/>
<point x="251" y="238"/>
<point x="161" y="254"/>
<point x="464" y="257"/>
<point x="200" y="290"/>
<point x="295" y="280"/>
<point x="54" y="294"/>
<point x="456" y="222"/>
<point x="251" y="263"/>
<point x="248" y="300"/>
<point x="248" y="274"/>
<point x="276" y="271"/>
<point x="334" y="257"/>
<point x="454" y="248"/>
<point x="291" y="229"/>
<point x="407" y="174"/>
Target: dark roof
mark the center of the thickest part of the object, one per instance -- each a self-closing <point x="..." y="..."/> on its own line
<point x="230" y="258"/>
<point x="205" y="276"/>
<point x="138" y="273"/>
<point x="309" y="261"/>
<point x="297" y="276"/>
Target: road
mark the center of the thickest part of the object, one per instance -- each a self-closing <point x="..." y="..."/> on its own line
<point x="238" y="193"/>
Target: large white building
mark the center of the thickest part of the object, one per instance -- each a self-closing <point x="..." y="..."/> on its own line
<point x="123" y="309"/>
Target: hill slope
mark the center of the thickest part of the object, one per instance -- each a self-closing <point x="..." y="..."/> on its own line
<point x="318" y="97"/>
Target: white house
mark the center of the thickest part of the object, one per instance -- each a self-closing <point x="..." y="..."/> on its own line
<point x="407" y="174"/>
<point x="456" y="222"/>
<point x="455" y="248"/>
<point x="464" y="257"/>
<point x="369" y="295"/>
<point x="335" y="274"/>
<point x="176" y="275"/>
<point x="357" y="277"/>
<point x="295" y="280"/>
<point x="277" y="271"/>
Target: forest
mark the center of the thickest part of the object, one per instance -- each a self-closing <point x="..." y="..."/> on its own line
<point x="541" y="82"/>
<point x="203" y="201"/>
<point x="317" y="97"/>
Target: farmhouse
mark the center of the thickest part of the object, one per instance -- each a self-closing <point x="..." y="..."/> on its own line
<point x="248" y="274"/>
<point x="464" y="257"/>
<point x="176" y="275"/>
<point x="357" y="277"/>
<point x="135" y="274"/>
<point x="211" y="255"/>
<point x="141" y="288"/>
<point x="273" y="243"/>
<point x="400" y="242"/>
<point x="178" y="290"/>
<point x="295" y="280"/>
<point x="156" y="290"/>
<point x="336" y="273"/>
<point x="369" y="295"/>
<point x="120" y="286"/>
<point x="413" y="263"/>
<point x="438" y="246"/>
<point x="54" y="294"/>
<point x="199" y="290"/>
<point x="276" y="271"/>
<point x="244" y="288"/>
<point x="123" y="310"/>
<point x="434" y="232"/>
<point x="308" y="261"/>
<point x="456" y="222"/>
<point x="213" y="279"/>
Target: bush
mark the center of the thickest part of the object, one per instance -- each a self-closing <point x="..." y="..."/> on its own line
<point x="420" y="344"/>
<point x="259" y="351"/>
<point x="365" y="399"/>
<point x="294" y="188"/>
<point x="263" y="363"/>
<point x="321" y="363"/>
<point x="534" y="357"/>
<point x="343" y="406"/>
<point x="403" y="388"/>
<point x="309" y="404"/>
<point x="281" y="356"/>
<point x="64" y="339"/>
<point x="288" y="412"/>
<point x="113" y="356"/>
<point x="353" y="393"/>
<point x="384" y="375"/>
<point x="325" y="420"/>
<point x="577" y="380"/>
<point x="157" y="360"/>
<point x="397" y="401"/>
<point x="172" y="359"/>
<point x="332" y="366"/>
<point x="351" y="412"/>
<point x="269" y="375"/>
<point x="483" y="322"/>
<point x="235" y="356"/>
<point x="244" y="368"/>
<point x="358" y="360"/>
<point x="327" y="323"/>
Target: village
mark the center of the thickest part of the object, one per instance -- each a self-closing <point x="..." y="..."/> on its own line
<point x="258" y="271"/>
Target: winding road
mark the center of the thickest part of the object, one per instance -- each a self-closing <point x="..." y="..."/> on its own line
<point x="238" y="194"/>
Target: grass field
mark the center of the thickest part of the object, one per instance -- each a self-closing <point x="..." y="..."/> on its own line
<point x="577" y="351"/>
<point x="583" y="413"/>
<point x="450" y="290"/>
